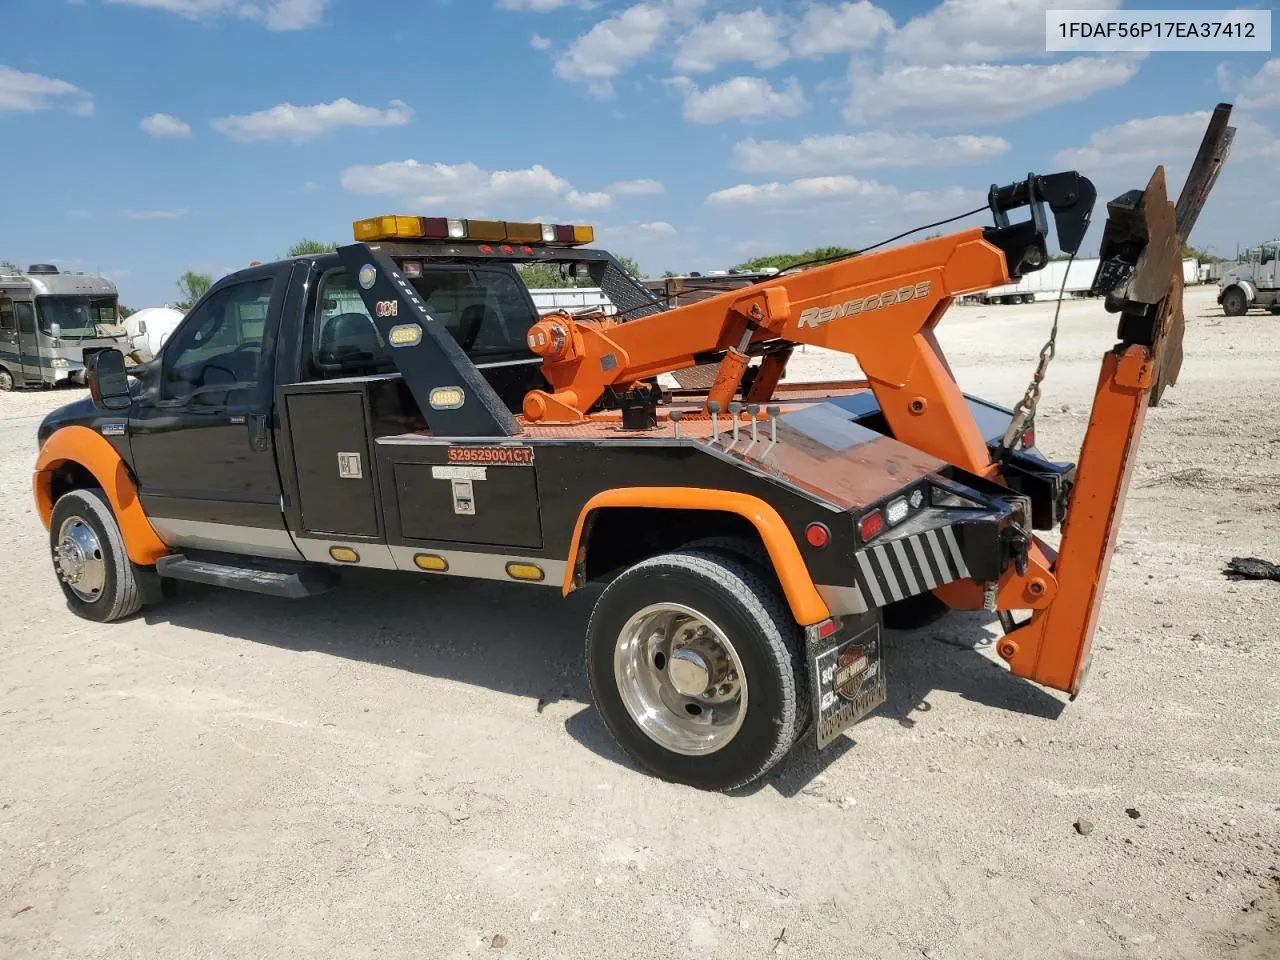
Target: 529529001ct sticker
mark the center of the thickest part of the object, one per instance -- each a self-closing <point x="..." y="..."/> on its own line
<point x="494" y="456"/>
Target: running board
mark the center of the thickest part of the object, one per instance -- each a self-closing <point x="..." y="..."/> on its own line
<point x="290" y="581"/>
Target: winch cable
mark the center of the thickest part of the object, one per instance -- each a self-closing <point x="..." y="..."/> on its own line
<point x="1025" y="412"/>
<point x="835" y="257"/>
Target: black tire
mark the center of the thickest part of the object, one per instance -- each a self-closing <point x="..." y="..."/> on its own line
<point x="754" y="617"/>
<point x="6" y="380"/>
<point x="119" y="595"/>
<point x="1234" y="302"/>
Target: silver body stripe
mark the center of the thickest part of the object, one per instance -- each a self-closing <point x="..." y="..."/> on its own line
<point x="925" y="571"/>
<point x="894" y="588"/>
<point x="225" y="537"/>
<point x="956" y="555"/>
<point x="873" y="582"/>
<point x="939" y="556"/>
<point x="907" y="573"/>
<point x="375" y="555"/>
<point x="481" y="566"/>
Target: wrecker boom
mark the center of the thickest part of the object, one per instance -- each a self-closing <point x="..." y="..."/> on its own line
<point x="882" y="309"/>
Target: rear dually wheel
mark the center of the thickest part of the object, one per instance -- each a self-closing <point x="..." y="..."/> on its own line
<point x="695" y="665"/>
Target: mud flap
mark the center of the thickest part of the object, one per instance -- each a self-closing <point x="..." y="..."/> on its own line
<point x="846" y="674"/>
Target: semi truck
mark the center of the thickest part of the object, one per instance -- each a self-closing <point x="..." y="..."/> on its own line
<point x="1253" y="282"/>
<point x="400" y="405"/>
<point x="51" y="323"/>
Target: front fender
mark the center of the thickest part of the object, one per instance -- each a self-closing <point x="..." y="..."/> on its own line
<point x="80" y="445"/>
<point x="802" y="596"/>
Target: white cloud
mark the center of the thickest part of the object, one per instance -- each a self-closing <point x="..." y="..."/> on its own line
<point x="593" y="200"/>
<point x="273" y="14"/>
<point x="636" y="188"/>
<point x="28" y="92"/>
<point x="466" y="189"/>
<point x="811" y="192"/>
<point x="612" y="46"/>
<point x="863" y="151"/>
<point x="973" y="31"/>
<point x="657" y="228"/>
<point x="754" y="36"/>
<point x="539" y="42"/>
<point x="176" y="213"/>
<point x="1262" y="90"/>
<point x="287" y="122"/>
<point x="79" y="214"/>
<point x="740" y="98"/>
<point x="979" y="93"/>
<point x="851" y="26"/>
<point x="1171" y="140"/>
<point x="163" y="125"/>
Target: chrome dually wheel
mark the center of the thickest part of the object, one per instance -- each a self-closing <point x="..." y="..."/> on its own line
<point x="77" y="556"/>
<point x="680" y="679"/>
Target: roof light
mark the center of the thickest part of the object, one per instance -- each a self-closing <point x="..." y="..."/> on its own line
<point x="393" y="227"/>
<point x="486" y="230"/>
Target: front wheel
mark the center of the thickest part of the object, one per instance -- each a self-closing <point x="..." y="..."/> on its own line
<point x="90" y="560"/>
<point x="6" y="380"/>
<point x="695" y="665"/>
<point x="1234" y="302"/>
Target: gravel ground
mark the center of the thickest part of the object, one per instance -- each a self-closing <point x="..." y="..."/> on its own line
<point x="409" y="768"/>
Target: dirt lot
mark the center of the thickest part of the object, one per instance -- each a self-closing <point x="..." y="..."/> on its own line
<point x="409" y="768"/>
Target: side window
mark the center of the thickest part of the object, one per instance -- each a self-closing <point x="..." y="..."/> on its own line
<point x="26" y="315"/>
<point x="345" y="342"/>
<point x="7" y="323"/>
<point x="214" y="357"/>
<point x="485" y="310"/>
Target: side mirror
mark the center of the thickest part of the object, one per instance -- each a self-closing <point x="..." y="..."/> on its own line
<point x="55" y="331"/>
<point x="108" y="383"/>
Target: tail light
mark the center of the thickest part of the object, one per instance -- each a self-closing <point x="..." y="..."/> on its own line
<point x="870" y="525"/>
<point x="817" y="534"/>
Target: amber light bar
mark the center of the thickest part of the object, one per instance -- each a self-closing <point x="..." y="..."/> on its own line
<point x="488" y="231"/>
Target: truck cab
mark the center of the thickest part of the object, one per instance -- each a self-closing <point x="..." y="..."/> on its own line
<point x="1253" y="282"/>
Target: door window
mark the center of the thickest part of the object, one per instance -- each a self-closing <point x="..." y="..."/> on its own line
<point x="215" y="356"/>
<point x="346" y="344"/>
<point x="26" y="317"/>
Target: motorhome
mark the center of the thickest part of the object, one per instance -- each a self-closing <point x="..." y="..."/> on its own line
<point x="50" y="322"/>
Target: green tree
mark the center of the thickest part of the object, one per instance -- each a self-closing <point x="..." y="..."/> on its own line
<point x="549" y="276"/>
<point x="784" y="260"/>
<point x="1203" y="256"/>
<point x="191" y="287"/>
<point x="629" y="265"/>
<point x="309" y="247"/>
<point x="125" y="312"/>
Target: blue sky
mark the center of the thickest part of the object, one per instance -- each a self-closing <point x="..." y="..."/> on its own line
<point x="142" y="138"/>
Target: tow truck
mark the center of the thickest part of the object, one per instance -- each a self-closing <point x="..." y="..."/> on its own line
<point x="399" y="405"/>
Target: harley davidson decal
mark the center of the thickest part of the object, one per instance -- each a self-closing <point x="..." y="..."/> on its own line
<point x="498" y="456"/>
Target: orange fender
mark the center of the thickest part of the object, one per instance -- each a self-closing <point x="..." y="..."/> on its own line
<point x="802" y="596"/>
<point x="87" y="448"/>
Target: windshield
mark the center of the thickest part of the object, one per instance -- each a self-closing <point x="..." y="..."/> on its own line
<point x="78" y="317"/>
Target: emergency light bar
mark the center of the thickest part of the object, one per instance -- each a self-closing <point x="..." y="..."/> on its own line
<point x="495" y="231"/>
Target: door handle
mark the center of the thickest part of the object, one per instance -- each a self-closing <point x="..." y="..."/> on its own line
<point x="257" y="431"/>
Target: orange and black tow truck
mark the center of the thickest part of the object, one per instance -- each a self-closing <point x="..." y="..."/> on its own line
<point x="400" y="405"/>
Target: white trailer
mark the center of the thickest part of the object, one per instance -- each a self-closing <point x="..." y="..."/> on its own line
<point x="1047" y="283"/>
<point x="571" y="299"/>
